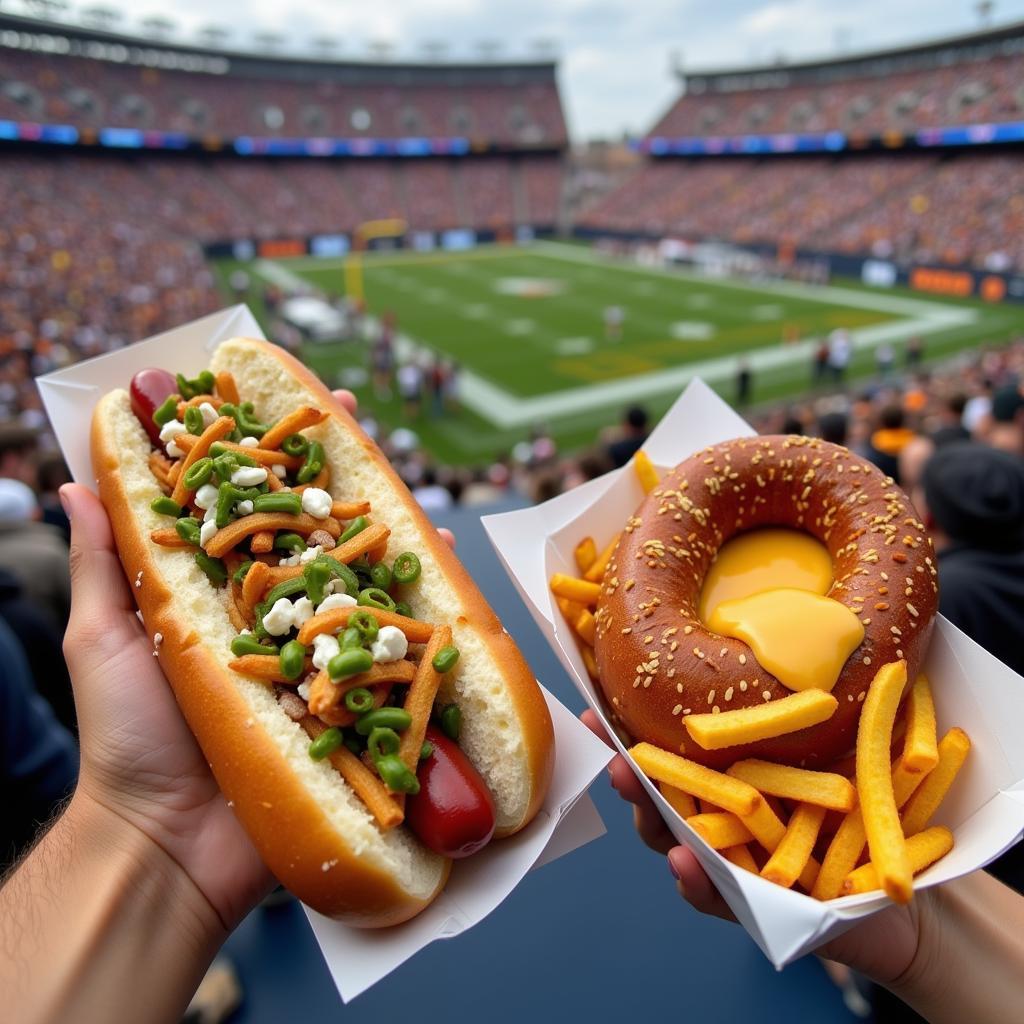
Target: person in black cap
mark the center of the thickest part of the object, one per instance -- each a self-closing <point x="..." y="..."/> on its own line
<point x="973" y="503"/>
<point x="630" y="437"/>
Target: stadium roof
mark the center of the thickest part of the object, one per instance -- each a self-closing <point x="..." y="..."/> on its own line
<point x="760" y="75"/>
<point x="46" y="35"/>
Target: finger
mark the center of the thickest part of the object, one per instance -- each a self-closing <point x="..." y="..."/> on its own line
<point x="347" y="399"/>
<point x="651" y="828"/>
<point x="447" y="536"/>
<point x="593" y="723"/>
<point x="694" y="885"/>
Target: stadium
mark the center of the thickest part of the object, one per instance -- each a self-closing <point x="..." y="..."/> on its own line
<point x="836" y="246"/>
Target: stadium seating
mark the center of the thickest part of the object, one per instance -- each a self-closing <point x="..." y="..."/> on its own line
<point x="92" y="94"/>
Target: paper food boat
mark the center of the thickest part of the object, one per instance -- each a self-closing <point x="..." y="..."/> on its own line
<point x="567" y="820"/>
<point x="973" y="690"/>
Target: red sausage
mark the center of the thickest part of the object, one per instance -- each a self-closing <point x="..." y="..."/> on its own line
<point x="453" y="813"/>
<point x="149" y="389"/>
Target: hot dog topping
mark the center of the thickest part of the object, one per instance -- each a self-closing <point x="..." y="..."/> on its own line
<point x="322" y="615"/>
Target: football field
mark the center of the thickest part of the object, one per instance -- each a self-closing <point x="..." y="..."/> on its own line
<point x="526" y="325"/>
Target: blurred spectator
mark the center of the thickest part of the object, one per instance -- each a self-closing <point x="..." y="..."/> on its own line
<point x="52" y="473"/>
<point x="1006" y="427"/>
<point x="950" y="415"/>
<point x="915" y="351"/>
<point x="834" y="427"/>
<point x="840" y="348"/>
<point x="410" y="387"/>
<point x="885" y="359"/>
<point x="431" y="496"/>
<point x="613" y="318"/>
<point x="33" y="552"/>
<point x="630" y="436"/>
<point x="886" y="443"/>
<point x="973" y="501"/>
<point x="437" y="382"/>
<point x="38" y="757"/>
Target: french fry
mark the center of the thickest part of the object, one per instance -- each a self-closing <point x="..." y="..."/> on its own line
<point x="645" y="471"/>
<point x="586" y="626"/>
<point x="159" y="466"/>
<point x="583" y="591"/>
<point x="226" y="388"/>
<point x="572" y="610"/>
<point x="416" y="632"/>
<point x="366" y="783"/>
<point x="585" y="554"/>
<point x="953" y="750"/>
<point x="767" y="828"/>
<point x="419" y="701"/>
<point x="762" y="721"/>
<point x="920" y="749"/>
<point x="194" y="402"/>
<point x="790" y="857"/>
<point x="589" y="661"/>
<point x="850" y="838"/>
<point x="923" y="850"/>
<point x="728" y="793"/>
<point x="273" y="482"/>
<point x="596" y="572"/>
<point x="352" y="549"/>
<point x="821" y="788"/>
<point x="720" y="830"/>
<point x="741" y="857"/>
<point x="235" y="612"/>
<point x="682" y="803"/>
<point x="874" y="782"/>
<point x="225" y="540"/>
<point x="216" y="431"/>
<point x="299" y="419"/>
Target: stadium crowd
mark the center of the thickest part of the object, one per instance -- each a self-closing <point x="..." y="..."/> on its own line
<point x="962" y="209"/>
<point x="864" y="101"/>
<point x="503" y="106"/>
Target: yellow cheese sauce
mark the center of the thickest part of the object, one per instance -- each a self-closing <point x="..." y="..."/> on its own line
<point x="767" y="588"/>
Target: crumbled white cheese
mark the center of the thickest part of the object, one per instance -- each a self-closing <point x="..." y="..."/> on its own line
<point x="206" y="531"/>
<point x="280" y="618"/>
<point x="208" y="413"/>
<point x="246" y="632"/>
<point x="249" y="476"/>
<point x="325" y="647"/>
<point x="279" y="470"/>
<point x="316" y="502"/>
<point x="335" y="601"/>
<point x="310" y="553"/>
<point x="302" y="611"/>
<point x="244" y="508"/>
<point x="390" y="644"/>
<point x="210" y="514"/>
<point x="303" y="691"/>
<point x="168" y="432"/>
<point x="206" y="496"/>
<point x="250" y="442"/>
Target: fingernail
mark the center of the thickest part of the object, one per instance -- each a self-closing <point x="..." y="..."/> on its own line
<point x="65" y="501"/>
<point x="672" y="868"/>
<point x="611" y="777"/>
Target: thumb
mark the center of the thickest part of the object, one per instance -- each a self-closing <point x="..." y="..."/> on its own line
<point x="102" y="608"/>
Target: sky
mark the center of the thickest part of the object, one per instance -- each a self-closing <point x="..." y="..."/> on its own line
<point x="614" y="55"/>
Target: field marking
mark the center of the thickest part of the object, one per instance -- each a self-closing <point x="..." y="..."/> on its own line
<point x="574" y="346"/>
<point x="281" y="276"/>
<point x="519" y="326"/>
<point x="692" y="330"/>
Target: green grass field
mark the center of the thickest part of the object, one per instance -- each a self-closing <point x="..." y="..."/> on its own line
<point x="525" y="324"/>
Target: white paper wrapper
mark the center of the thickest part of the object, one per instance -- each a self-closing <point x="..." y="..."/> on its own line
<point x="357" y="959"/>
<point x="972" y="689"/>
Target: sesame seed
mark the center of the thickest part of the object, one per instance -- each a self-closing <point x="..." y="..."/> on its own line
<point x="743" y="659"/>
<point x="723" y="652"/>
<point x="743" y="686"/>
<point x="766" y="694"/>
<point x="677" y="709"/>
<point x="711" y="697"/>
<point x="716" y="710"/>
<point x="881" y="606"/>
<point x="899" y="653"/>
<point x="867" y="660"/>
<point x="728" y="694"/>
<point x="913" y="611"/>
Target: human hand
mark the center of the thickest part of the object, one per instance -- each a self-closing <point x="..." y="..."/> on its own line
<point x="883" y="946"/>
<point x="140" y="761"/>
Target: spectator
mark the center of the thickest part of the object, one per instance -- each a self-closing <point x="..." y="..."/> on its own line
<point x="951" y="415"/>
<point x="52" y="474"/>
<point x="821" y="361"/>
<point x="437" y="381"/>
<point x="888" y="441"/>
<point x="630" y="436"/>
<point x="431" y="496"/>
<point x="613" y="318"/>
<point x="1005" y="429"/>
<point x="834" y="427"/>
<point x="33" y="552"/>
<point x="915" y="352"/>
<point x="885" y="359"/>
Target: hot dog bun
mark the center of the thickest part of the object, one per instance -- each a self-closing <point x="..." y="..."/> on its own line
<point x="311" y="829"/>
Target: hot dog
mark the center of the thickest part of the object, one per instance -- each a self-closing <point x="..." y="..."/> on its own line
<point x="316" y="631"/>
